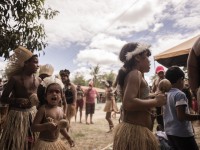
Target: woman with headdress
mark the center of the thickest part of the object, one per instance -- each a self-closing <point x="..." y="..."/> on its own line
<point x="134" y="132"/>
<point x="70" y="94"/>
<point x="44" y="72"/>
<point x="20" y="93"/>
<point x="110" y="105"/>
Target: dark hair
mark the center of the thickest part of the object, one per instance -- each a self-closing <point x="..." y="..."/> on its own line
<point x="128" y="65"/>
<point x="110" y="83"/>
<point x="174" y="73"/>
<point x="64" y="72"/>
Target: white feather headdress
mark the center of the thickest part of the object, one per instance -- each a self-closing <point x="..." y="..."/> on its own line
<point x="140" y="48"/>
<point x="49" y="80"/>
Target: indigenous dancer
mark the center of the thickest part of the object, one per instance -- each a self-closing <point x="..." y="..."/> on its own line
<point x="110" y="105"/>
<point x="70" y="94"/>
<point x="134" y="132"/>
<point x="20" y="92"/>
<point x="49" y="120"/>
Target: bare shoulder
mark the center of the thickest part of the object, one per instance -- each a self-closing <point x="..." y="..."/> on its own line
<point x="41" y="109"/>
<point x="134" y="75"/>
<point x="73" y="85"/>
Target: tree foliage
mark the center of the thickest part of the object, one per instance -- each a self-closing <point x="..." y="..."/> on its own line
<point x="79" y="79"/>
<point x="95" y="73"/>
<point x="20" y="25"/>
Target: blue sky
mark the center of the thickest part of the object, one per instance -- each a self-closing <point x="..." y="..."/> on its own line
<point x="90" y="32"/>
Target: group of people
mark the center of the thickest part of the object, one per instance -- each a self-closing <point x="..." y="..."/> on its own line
<point x="41" y="107"/>
<point x="46" y="104"/>
<point x="172" y="108"/>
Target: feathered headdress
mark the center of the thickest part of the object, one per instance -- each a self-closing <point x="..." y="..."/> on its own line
<point x="50" y="80"/>
<point x="139" y="49"/>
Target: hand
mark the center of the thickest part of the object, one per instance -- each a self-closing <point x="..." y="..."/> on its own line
<point x="161" y="99"/>
<point x="51" y="126"/>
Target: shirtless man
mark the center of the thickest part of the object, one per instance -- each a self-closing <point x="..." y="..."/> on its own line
<point x="20" y="94"/>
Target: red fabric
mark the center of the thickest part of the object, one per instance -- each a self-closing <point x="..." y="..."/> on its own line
<point x="194" y="105"/>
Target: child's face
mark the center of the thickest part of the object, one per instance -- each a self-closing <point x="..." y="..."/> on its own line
<point x="54" y="95"/>
<point x="144" y="63"/>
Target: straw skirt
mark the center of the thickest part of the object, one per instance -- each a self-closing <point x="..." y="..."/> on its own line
<point x="47" y="145"/>
<point x="108" y="107"/>
<point x="17" y="133"/>
<point x="134" y="137"/>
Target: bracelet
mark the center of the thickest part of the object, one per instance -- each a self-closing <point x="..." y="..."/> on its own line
<point x="197" y="117"/>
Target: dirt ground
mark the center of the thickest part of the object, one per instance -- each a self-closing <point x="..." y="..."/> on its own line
<point x="94" y="136"/>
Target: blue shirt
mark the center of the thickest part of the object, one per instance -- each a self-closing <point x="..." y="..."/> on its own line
<point x="173" y="126"/>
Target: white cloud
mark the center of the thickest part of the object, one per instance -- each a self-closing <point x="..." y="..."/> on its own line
<point x="96" y="56"/>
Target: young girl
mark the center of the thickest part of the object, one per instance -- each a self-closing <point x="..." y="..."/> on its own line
<point x="110" y="105"/>
<point x="134" y="132"/>
<point x="49" y="119"/>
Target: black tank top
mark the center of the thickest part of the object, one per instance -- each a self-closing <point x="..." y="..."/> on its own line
<point x="69" y="95"/>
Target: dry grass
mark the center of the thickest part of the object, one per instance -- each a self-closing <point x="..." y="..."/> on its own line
<point x="91" y="137"/>
<point x="94" y="136"/>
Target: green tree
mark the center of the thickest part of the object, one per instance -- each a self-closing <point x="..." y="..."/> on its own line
<point x="20" y="25"/>
<point x="79" y="79"/>
<point x="95" y="73"/>
<point x="107" y="76"/>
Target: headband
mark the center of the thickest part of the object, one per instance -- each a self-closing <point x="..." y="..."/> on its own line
<point x="141" y="47"/>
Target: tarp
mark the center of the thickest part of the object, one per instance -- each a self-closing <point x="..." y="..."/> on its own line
<point x="176" y="55"/>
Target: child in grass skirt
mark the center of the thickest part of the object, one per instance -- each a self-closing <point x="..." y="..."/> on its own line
<point x="134" y="132"/>
<point x="110" y="105"/>
<point x="49" y="120"/>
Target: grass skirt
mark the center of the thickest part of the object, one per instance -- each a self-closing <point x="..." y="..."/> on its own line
<point x="16" y="132"/>
<point x="108" y="107"/>
<point x="134" y="137"/>
<point x="47" y="145"/>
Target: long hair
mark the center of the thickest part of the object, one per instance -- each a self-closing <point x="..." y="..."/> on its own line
<point x="128" y="64"/>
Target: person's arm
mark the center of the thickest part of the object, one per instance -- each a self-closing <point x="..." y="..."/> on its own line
<point x="193" y="71"/>
<point x="154" y="87"/>
<point x="74" y="92"/>
<point x="183" y="116"/>
<point x="37" y="126"/>
<point x="64" y="103"/>
<point x="131" y="102"/>
<point x="66" y="135"/>
<point x="8" y="87"/>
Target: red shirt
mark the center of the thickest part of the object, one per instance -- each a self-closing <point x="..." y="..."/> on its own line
<point x="91" y="95"/>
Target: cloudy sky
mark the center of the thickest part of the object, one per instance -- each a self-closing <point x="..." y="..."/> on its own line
<point x="90" y="32"/>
